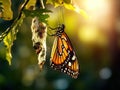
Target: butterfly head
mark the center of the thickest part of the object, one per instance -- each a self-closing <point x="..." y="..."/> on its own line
<point x="61" y="28"/>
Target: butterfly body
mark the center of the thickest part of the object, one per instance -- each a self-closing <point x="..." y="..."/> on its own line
<point x="63" y="57"/>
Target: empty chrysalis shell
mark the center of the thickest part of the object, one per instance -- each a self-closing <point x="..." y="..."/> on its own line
<point x="39" y="34"/>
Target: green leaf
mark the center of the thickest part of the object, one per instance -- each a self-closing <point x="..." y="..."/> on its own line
<point x="7" y="13"/>
<point x="11" y="36"/>
<point x="8" y="42"/>
<point x="40" y="13"/>
<point x="68" y="5"/>
<point x="76" y="9"/>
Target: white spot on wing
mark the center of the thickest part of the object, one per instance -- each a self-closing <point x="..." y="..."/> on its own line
<point x="73" y="58"/>
<point x="68" y="51"/>
<point x="69" y="64"/>
<point x="65" y="39"/>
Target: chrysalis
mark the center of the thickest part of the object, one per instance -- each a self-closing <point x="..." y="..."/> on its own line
<point x="39" y="34"/>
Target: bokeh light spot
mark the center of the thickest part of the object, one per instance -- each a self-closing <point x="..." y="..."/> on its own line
<point x="88" y="34"/>
<point x="60" y="84"/>
<point x="105" y="73"/>
<point x="24" y="51"/>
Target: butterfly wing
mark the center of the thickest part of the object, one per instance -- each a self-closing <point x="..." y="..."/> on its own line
<point x="63" y="57"/>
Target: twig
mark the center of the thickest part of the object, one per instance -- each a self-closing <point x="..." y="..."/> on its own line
<point x="42" y="4"/>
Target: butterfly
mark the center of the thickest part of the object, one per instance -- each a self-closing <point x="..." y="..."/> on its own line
<point x="63" y="57"/>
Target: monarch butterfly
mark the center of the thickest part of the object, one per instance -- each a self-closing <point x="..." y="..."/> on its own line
<point x="63" y="57"/>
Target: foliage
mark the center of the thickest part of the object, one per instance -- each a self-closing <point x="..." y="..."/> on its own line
<point x="40" y="13"/>
<point x="10" y="37"/>
<point x="68" y="5"/>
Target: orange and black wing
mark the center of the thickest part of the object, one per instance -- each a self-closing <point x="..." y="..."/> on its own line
<point x="63" y="57"/>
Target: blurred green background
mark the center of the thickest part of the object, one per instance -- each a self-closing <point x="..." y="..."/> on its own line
<point x="96" y="41"/>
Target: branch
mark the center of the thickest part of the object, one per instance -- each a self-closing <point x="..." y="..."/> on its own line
<point x="4" y="34"/>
